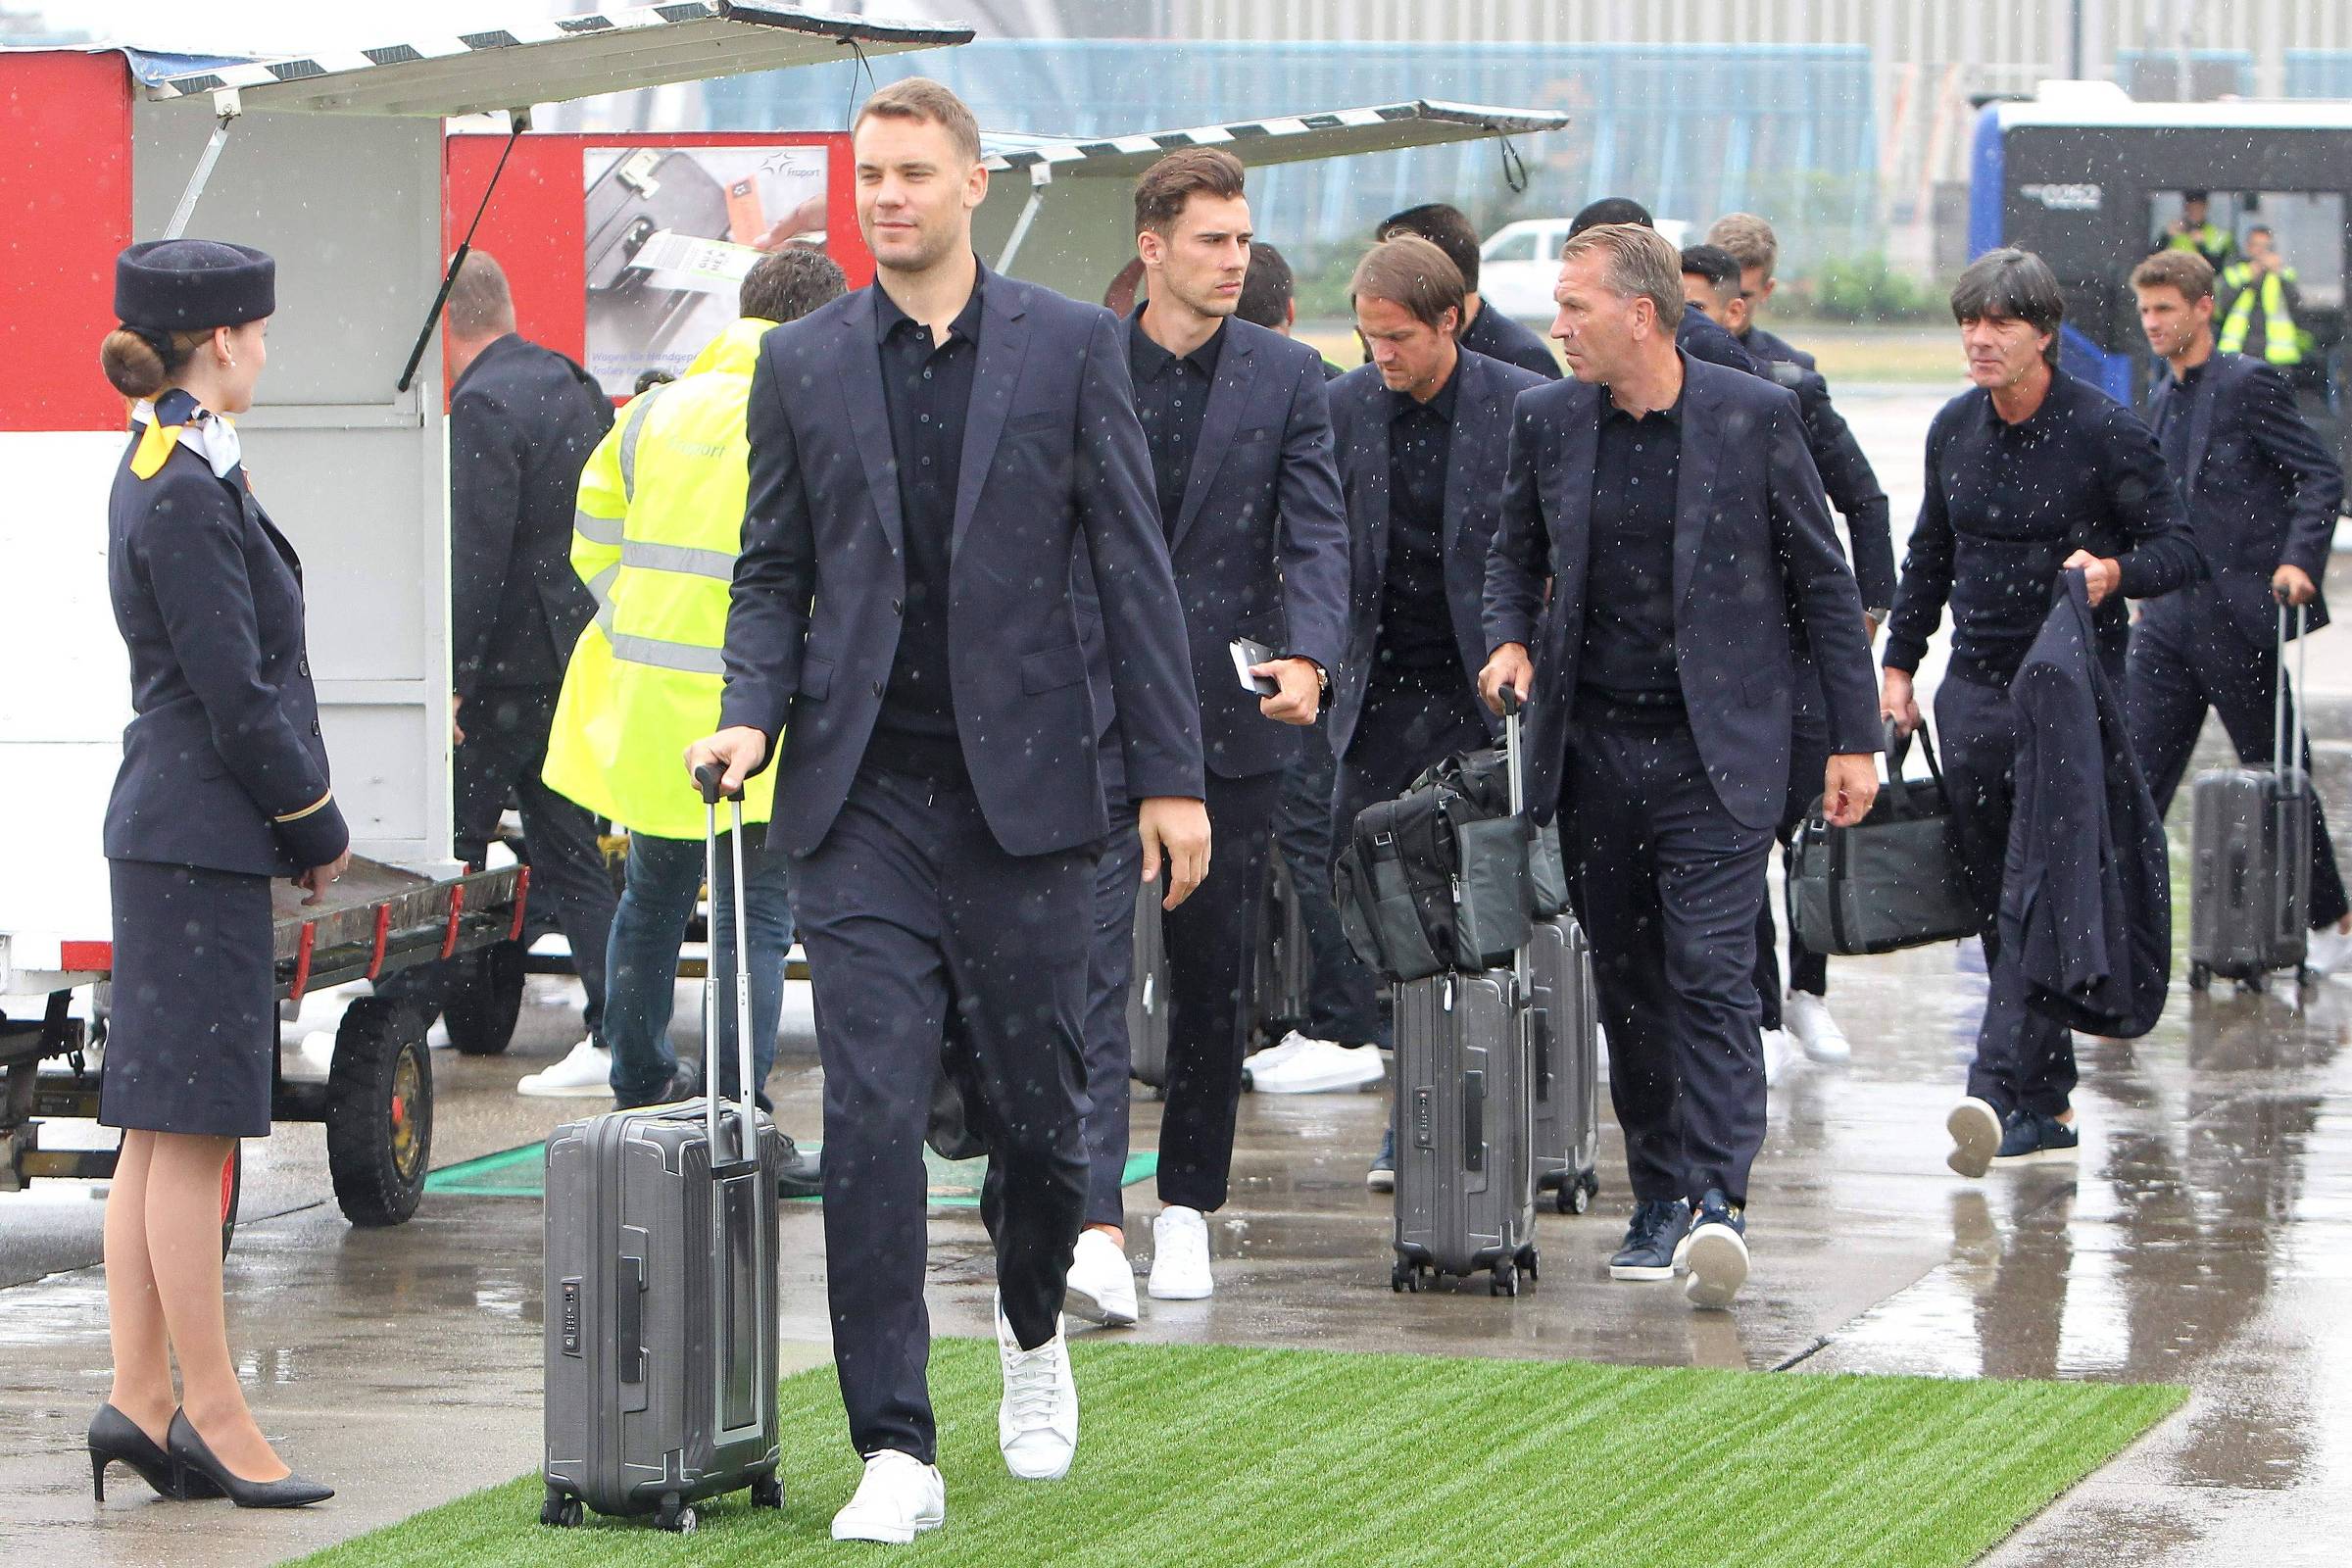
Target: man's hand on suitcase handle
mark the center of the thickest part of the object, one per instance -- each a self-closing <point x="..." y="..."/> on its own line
<point x="1509" y="666"/>
<point x="2293" y="585"/>
<point x="1178" y="825"/>
<point x="1897" y="701"/>
<point x="1847" y="787"/>
<point x="738" y="752"/>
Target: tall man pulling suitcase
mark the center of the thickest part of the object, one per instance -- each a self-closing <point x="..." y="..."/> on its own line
<point x="925" y="456"/>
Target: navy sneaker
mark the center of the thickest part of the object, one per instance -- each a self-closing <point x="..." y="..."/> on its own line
<point x="2033" y="1136"/>
<point x="1718" y="1254"/>
<point x="1647" y="1252"/>
<point x="1382" y="1177"/>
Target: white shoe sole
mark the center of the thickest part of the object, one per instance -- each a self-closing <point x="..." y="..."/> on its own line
<point x="1718" y="1266"/>
<point x="1088" y="1308"/>
<point x="1975" y="1133"/>
<point x="1640" y="1273"/>
<point x="887" y="1535"/>
<point x="1833" y="1054"/>
<point x="1380" y="1181"/>
<point x="1040" y="1475"/>
<point x="532" y="1087"/>
<point x="1352" y="1081"/>
<point x="1179" y="1293"/>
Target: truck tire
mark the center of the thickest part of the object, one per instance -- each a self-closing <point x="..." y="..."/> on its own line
<point x="380" y="1111"/>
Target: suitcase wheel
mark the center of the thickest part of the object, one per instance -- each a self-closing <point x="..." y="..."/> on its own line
<point x="767" y="1492"/>
<point x="561" y="1511"/>
<point x="1504" y="1281"/>
<point x="1574" y="1196"/>
<point x="2303" y="975"/>
<point x="2200" y="976"/>
<point x="674" y="1516"/>
<point x="1527" y="1261"/>
<point x="2257" y="982"/>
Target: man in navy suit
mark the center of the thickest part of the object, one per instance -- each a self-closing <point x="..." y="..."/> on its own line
<point x="2261" y="493"/>
<point x="1422" y="431"/>
<point x="1240" y="437"/>
<point x="926" y="455"/>
<point x="1664" y="547"/>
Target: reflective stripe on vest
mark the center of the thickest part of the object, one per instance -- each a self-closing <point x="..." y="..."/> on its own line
<point x="2279" y="345"/>
<point x="692" y="658"/>
<point x="628" y="440"/>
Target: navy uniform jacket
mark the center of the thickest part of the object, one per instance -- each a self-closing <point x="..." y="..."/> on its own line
<point x="2260" y="489"/>
<point x="522" y="421"/>
<point x="2086" y="898"/>
<point x="1756" y="567"/>
<point x="1052" y="454"/>
<point x="1360" y="414"/>
<point x="222" y="766"/>
<point x="1260" y="546"/>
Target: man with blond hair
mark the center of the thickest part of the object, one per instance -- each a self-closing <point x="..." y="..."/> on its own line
<point x="1664" y="547"/>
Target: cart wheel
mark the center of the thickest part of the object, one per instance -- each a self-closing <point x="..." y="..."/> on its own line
<point x="232" y="1184"/>
<point x="2200" y="977"/>
<point x="485" y="1000"/>
<point x="1504" y="1281"/>
<point x="767" y="1492"/>
<point x="379" y="1112"/>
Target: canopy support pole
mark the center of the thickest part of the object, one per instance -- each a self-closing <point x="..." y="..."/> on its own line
<point x="228" y="105"/>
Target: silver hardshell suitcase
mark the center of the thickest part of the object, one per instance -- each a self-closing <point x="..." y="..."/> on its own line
<point x="1564" y="1043"/>
<point x="2250" y="865"/>
<point x="1465" y="1125"/>
<point x="661" y="1329"/>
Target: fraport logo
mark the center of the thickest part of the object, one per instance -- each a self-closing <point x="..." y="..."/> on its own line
<point x="2062" y="198"/>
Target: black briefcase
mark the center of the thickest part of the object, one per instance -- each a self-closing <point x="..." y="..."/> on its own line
<point x="1893" y="879"/>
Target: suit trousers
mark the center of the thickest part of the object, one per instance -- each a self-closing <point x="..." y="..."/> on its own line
<point x="1211" y="939"/>
<point x="2024" y="1058"/>
<point x="1302" y="837"/>
<point x="1808" y="762"/>
<point x="1668" y="884"/>
<point x="1401" y="731"/>
<point x="924" y="935"/>
<point x="2174" y="676"/>
<point x="505" y="751"/>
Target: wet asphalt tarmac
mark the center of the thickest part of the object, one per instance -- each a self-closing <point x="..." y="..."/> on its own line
<point x="2204" y="1236"/>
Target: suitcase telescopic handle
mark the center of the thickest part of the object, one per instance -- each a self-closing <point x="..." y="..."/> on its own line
<point x="1513" y="771"/>
<point x="747" y="1147"/>
<point x="2280" y="701"/>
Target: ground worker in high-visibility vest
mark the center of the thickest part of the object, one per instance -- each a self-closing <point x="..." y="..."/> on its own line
<point x="2260" y="319"/>
<point x="660" y="525"/>
<point x="2193" y="230"/>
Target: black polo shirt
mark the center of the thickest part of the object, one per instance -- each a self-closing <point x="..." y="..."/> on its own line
<point x="1627" y="670"/>
<point x="928" y="388"/>
<point x="1170" y="395"/>
<point x="2174" y="418"/>
<point x="1416" y="647"/>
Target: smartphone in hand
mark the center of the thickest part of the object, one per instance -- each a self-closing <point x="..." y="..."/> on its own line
<point x="1246" y="653"/>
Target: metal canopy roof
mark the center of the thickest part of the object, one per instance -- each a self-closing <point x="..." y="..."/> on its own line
<point x="1339" y="133"/>
<point x="550" y="59"/>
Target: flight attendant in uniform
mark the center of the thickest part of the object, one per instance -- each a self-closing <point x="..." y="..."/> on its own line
<point x="223" y="788"/>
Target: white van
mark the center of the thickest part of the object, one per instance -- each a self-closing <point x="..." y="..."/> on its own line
<point x="1520" y="263"/>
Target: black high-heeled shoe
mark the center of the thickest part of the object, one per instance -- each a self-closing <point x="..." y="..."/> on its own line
<point x="116" y="1438"/>
<point x="196" y="1463"/>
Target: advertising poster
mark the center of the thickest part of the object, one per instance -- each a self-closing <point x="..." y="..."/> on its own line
<point x="670" y="234"/>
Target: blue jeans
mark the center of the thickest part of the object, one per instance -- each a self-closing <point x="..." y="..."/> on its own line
<point x="641" y="969"/>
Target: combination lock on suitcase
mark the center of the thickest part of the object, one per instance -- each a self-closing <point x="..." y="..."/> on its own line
<point x="2250" y="836"/>
<point x="660" y="1330"/>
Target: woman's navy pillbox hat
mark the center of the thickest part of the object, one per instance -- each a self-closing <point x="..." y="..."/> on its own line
<point x="192" y="285"/>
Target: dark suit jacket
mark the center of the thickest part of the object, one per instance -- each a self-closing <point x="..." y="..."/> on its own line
<point x="1501" y="337"/>
<point x="1052" y="452"/>
<point x="2261" y="492"/>
<point x="1482" y="434"/>
<point x="1261" y="545"/>
<point x="208" y="596"/>
<point x="2086" y="894"/>
<point x="1756" y="565"/>
<point x="1768" y="346"/>
<point x="523" y="421"/>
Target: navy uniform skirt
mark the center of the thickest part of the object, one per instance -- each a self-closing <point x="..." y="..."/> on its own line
<point x="193" y="1034"/>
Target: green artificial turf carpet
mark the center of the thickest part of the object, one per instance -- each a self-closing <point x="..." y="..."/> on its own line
<point x="1208" y="1456"/>
<point x="523" y="1173"/>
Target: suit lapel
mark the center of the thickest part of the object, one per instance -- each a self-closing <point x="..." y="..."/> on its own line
<point x="1580" y="442"/>
<point x="1371" y="457"/>
<point x="1468" y="401"/>
<point x="1003" y="342"/>
<point x="2200" y="423"/>
<point x="1228" y="396"/>
<point x="869" y="415"/>
<point x="1694" y="481"/>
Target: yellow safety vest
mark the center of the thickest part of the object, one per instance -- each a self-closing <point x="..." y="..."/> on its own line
<point x="2282" y="344"/>
<point x="655" y="537"/>
<point x="2209" y="240"/>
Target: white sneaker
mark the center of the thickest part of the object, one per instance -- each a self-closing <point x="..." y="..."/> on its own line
<point x="1319" y="1067"/>
<point x="1809" y="1019"/>
<point x="1282" y="1051"/>
<point x="1180" y="1256"/>
<point x="1975" y="1129"/>
<point x="1101" y="1282"/>
<point x="1780" y="1053"/>
<point x="1715" y="1264"/>
<point x="2328" y="951"/>
<point x="585" y="1074"/>
<point x="899" y="1499"/>
<point x="1037" y="1422"/>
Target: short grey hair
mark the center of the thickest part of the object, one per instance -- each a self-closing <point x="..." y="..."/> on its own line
<point x="1636" y="262"/>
